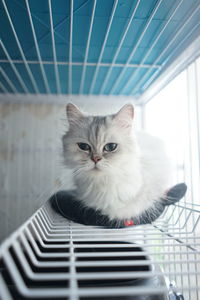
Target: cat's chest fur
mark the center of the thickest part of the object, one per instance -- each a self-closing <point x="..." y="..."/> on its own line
<point x="115" y="195"/>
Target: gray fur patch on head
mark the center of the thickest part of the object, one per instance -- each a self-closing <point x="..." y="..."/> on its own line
<point x="97" y="130"/>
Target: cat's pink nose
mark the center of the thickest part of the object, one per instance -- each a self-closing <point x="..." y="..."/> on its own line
<point x="96" y="159"/>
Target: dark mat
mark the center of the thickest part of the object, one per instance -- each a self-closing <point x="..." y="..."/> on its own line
<point x="66" y="204"/>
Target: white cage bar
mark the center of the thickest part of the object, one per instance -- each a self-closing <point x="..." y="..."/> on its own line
<point x="103" y="45"/>
<point x="137" y="44"/>
<point x="54" y="50"/>
<point x="37" y="48"/>
<point x="72" y="252"/>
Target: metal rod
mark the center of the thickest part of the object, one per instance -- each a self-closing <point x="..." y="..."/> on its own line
<point x="4" y="75"/>
<point x="184" y="24"/>
<point x="137" y="44"/>
<point x="54" y="49"/>
<point x="15" y="274"/>
<point x="119" y="47"/>
<point x="169" y="18"/>
<point x="3" y="88"/>
<point x="4" y="292"/>
<point x="55" y="27"/>
<point x="148" y="82"/>
<point x="87" y="48"/>
<point x="34" y="84"/>
<point x="37" y="48"/>
<point x="103" y="45"/>
<point x="21" y="81"/>
<point x="73" y="272"/>
<point x="70" y="48"/>
<point x="89" y="64"/>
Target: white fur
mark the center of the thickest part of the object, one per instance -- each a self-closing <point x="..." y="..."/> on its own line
<point x="123" y="184"/>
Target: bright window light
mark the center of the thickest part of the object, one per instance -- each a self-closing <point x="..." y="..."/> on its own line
<point x="173" y="115"/>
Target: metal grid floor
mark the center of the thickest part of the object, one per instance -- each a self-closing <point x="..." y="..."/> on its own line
<point x="50" y="257"/>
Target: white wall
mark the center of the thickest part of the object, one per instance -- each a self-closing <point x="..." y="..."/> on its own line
<point x="29" y="149"/>
<point x="30" y="153"/>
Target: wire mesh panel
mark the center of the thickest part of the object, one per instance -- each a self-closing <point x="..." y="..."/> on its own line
<point x="91" y="47"/>
<point x="50" y="257"/>
<point x="95" y="47"/>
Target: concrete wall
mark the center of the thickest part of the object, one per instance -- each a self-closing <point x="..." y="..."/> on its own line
<point x="30" y="155"/>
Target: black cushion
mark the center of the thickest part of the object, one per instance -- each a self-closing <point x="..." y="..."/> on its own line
<point x="66" y="204"/>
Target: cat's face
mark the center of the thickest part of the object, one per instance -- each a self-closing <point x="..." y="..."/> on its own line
<point x="97" y="144"/>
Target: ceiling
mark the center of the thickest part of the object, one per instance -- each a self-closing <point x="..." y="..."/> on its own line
<point x="109" y="47"/>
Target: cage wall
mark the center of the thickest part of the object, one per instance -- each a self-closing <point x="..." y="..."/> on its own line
<point x="168" y="248"/>
<point x="177" y="110"/>
<point x="98" y="54"/>
<point x="29" y="160"/>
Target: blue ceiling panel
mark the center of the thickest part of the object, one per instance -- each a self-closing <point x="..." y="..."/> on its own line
<point x="91" y="46"/>
<point x="89" y="76"/>
<point x="35" y="69"/>
<point x="24" y="75"/>
<point x="63" y="75"/>
<point x="101" y="75"/>
<point x="10" y="74"/>
<point x="50" y="73"/>
<point x="76" y="77"/>
<point x="112" y="79"/>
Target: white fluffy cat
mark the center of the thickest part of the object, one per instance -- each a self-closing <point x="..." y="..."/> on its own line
<point x="116" y="170"/>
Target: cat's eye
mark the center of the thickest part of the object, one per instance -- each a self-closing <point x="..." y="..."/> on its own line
<point x="110" y="147"/>
<point x="84" y="146"/>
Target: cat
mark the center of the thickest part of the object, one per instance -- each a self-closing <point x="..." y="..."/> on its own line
<point x="117" y="170"/>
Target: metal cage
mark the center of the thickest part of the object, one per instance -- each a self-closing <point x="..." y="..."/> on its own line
<point x="99" y="54"/>
<point x="51" y="257"/>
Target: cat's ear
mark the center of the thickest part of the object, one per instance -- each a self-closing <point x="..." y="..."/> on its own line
<point x="74" y="115"/>
<point x="124" y="117"/>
